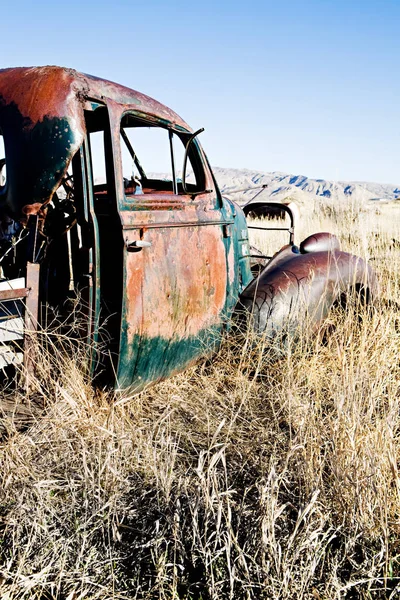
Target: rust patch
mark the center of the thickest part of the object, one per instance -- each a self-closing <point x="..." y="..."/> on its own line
<point x="177" y="287"/>
<point x="31" y="321"/>
<point x="59" y="92"/>
<point x="41" y="92"/>
<point x="14" y="294"/>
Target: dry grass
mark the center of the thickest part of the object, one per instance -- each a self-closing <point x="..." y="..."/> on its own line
<point x="244" y="477"/>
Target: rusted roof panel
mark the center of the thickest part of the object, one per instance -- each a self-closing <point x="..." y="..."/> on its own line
<point x="58" y="92"/>
<point x="42" y="120"/>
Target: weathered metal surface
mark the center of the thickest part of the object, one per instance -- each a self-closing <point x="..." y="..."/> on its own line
<point x="13" y="294"/>
<point x="173" y="296"/>
<point x="32" y="284"/>
<point x="180" y="291"/>
<point x="299" y="288"/>
<point x="319" y="242"/>
<point x="31" y="321"/>
<point x="42" y="120"/>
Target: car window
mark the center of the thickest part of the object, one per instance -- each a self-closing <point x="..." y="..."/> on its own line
<point x="151" y="145"/>
<point x="98" y="157"/>
<point x="150" y="156"/>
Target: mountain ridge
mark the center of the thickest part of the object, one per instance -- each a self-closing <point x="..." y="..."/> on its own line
<point x="300" y="187"/>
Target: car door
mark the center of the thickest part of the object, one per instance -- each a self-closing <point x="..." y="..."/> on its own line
<point x="175" y="264"/>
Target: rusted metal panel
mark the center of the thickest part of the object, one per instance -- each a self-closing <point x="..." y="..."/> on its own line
<point x="297" y="286"/>
<point x="13" y="294"/>
<point x="319" y="242"/>
<point x="31" y="320"/>
<point x="182" y="286"/>
<point x="46" y="92"/>
<point x="175" y="291"/>
<point x="42" y="120"/>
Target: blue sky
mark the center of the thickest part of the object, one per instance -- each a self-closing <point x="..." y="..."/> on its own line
<point x="308" y="87"/>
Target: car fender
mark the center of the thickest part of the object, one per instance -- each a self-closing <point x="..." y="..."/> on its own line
<point x="297" y="287"/>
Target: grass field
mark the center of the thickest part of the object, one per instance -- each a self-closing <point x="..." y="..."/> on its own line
<point x="247" y="476"/>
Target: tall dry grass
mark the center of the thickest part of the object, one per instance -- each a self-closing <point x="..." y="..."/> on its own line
<point x="247" y="476"/>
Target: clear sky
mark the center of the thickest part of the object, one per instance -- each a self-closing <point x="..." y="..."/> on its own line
<point x="307" y="87"/>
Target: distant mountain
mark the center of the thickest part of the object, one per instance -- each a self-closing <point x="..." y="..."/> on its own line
<point x="300" y="188"/>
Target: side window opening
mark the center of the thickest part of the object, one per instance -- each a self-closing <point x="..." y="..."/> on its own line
<point x="98" y="158"/>
<point x="101" y="159"/>
<point x="152" y="157"/>
<point x="3" y="169"/>
<point x="82" y="267"/>
<point x="109" y="239"/>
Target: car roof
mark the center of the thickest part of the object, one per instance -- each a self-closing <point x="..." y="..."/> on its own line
<point x="60" y="92"/>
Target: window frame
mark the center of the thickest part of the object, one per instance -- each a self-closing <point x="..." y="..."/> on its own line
<point x="194" y="156"/>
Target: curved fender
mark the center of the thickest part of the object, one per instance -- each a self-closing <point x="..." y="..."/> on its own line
<point x="319" y="242"/>
<point x="302" y="287"/>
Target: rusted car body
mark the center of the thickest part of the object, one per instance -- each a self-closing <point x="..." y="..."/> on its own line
<point x="154" y="267"/>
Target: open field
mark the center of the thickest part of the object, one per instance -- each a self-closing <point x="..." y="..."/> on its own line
<point x="247" y="476"/>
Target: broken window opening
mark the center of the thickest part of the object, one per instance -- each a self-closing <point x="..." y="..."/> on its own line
<point x="109" y="246"/>
<point x="98" y="158"/>
<point x="82" y="268"/>
<point x="62" y="271"/>
<point x="152" y="159"/>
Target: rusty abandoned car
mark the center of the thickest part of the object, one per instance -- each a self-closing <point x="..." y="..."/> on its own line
<point x="157" y="265"/>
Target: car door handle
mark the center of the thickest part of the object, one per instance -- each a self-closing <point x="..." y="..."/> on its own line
<point x="137" y="245"/>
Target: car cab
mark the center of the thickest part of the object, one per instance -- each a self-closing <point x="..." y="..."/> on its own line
<point x="153" y="265"/>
